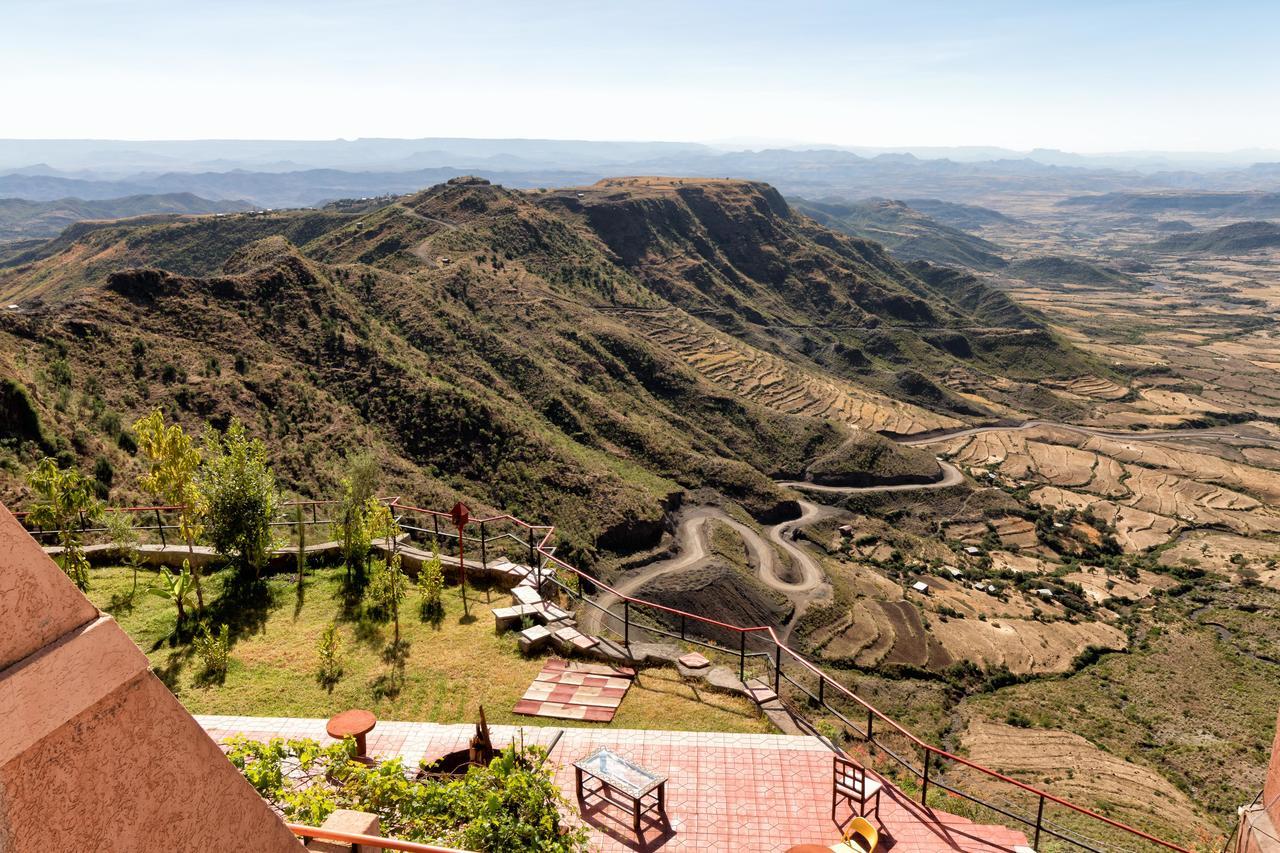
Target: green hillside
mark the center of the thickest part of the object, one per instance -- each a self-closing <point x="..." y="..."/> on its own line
<point x="501" y="346"/>
<point x="906" y="232"/>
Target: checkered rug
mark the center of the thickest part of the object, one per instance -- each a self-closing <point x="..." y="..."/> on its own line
<point x="576" y="691"/>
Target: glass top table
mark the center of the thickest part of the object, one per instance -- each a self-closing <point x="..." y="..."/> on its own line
<point x="619" y="773"/>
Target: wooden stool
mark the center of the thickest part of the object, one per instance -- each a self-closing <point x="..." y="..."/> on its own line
<point x="355" y="723"/>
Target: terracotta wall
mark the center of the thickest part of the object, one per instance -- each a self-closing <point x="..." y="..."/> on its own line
<point x="95" y="752"/>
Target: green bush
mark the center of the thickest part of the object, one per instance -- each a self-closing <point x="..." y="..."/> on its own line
<point x="330" y="649"/>
<point x="431" y="584"/>
<point x="239" y="491"/>
<point x="511" y="805"/>
<point x="214" y="651"/>
<point x="64" y="501"/>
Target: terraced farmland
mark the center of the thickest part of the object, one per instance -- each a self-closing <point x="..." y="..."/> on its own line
<point x="768" y="380"/>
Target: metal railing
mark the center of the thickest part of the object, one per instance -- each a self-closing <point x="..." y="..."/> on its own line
<point x="758" y="648"/>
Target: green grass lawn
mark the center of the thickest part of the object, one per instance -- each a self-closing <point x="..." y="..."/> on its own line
<point x="449" y="671"/>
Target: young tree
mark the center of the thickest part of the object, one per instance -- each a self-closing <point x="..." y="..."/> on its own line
<point x="240" y="497"/>
<point x="173" y="462"/>
<point x="125" y="539"/>
<point x="431" y="584"/>
<point x="64" y="500"/>
<point x="389" y="585"/>
<point x="357" y="489"/>
<point x="175" y="588"/>
<point x="387" y="589"/>
<point x="302" y="547"/>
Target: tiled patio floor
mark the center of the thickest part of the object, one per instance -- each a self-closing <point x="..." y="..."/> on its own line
<point x="741" y="792"/>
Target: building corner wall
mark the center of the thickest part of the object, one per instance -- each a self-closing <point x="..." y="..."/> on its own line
<point x="95" y="752"/>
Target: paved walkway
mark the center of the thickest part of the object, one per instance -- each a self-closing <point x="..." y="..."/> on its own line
<point x="749" y="793"/>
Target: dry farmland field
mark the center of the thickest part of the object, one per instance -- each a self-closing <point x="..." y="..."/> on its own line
<point x="1113" y="574"/>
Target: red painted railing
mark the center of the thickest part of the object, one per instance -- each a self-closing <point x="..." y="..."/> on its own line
<point x="542" y="548"/>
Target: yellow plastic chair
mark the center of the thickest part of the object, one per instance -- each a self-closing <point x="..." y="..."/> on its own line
<point x="860" y="837"/>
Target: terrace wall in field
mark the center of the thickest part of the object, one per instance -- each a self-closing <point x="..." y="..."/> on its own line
<point x="95" y="752"/>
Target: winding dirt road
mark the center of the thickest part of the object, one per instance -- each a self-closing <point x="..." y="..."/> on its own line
<point x="804" y="580"/>
<point x="801" y="581"/>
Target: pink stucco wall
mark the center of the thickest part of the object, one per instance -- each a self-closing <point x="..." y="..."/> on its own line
<point x="1271" y="788"/>
<point x="95" y="752"/>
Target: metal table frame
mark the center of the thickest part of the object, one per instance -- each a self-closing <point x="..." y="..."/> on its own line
<point x="650" y="797"/>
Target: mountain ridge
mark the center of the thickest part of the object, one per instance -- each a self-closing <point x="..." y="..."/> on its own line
<point x="587" y="355"/>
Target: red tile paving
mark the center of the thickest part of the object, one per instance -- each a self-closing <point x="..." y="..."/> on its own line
<point x="740" y="792"/>
<point x="569" y="692"/>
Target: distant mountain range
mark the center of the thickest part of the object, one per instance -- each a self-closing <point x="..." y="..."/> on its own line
<point x="1233" y="239"/>
<point x="302" y="174"/>
<point x="1242" y="204"/>
<point x="119" y="158"/>
<point x="21" y="219"/>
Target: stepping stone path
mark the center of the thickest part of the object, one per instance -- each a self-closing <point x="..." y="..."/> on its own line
<point x="576" y="691"/>
<point x="532" y="639"/>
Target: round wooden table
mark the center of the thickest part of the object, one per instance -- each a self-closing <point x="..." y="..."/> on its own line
<point x="808" y="848"/>
<point x="355" y="723"/>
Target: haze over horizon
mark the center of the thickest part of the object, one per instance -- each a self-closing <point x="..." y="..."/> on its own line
<point x="1089" y="77"/>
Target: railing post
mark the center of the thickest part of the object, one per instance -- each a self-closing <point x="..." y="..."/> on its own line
<point x="626" y="622"/>
<point x="681" y="626"/>
<point x="924" y="777"/>
<point x="777" y="666"/>
<point x="742" y="656"/>
<point x="871" y="741"/>
<point x="484" y="559"/>
<point x="578" y="575"/>
<point x="160" y="527"/>
<point x="314" y="520"/>
<point x="1039" y="822"/>
<point x="822" y="682"/>
<point x="533" y="560"/>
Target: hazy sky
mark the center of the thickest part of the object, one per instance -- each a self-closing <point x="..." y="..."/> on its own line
<point x="1087" y="75"/>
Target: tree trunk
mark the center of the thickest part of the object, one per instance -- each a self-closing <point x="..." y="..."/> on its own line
<point x="195" y="567"/>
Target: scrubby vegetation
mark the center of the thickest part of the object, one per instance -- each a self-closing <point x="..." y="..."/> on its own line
<point x="512" y="805"/>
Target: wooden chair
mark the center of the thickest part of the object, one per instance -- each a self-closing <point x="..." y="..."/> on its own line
<point x="852" y="783"/>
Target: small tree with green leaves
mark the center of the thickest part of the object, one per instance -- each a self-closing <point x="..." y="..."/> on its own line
<point x="387" y="589"/>
<point x="173" y="462"/>
<point x="431" y="585"/>
<point x="357" y="489"/>
<point x="388" y="585"/>
<point x="240" y="497"/>
<point x="64" y="501"/>
<point x="175" y="588"/>
<point x="125" y="539"/>
<point x="330" y="649"/>
<point x="214" y="650"/>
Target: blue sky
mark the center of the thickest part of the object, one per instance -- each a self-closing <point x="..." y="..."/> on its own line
<point x="1081" y="76"/>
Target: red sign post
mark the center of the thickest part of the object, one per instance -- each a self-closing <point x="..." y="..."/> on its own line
<point x="461" y="515"/>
